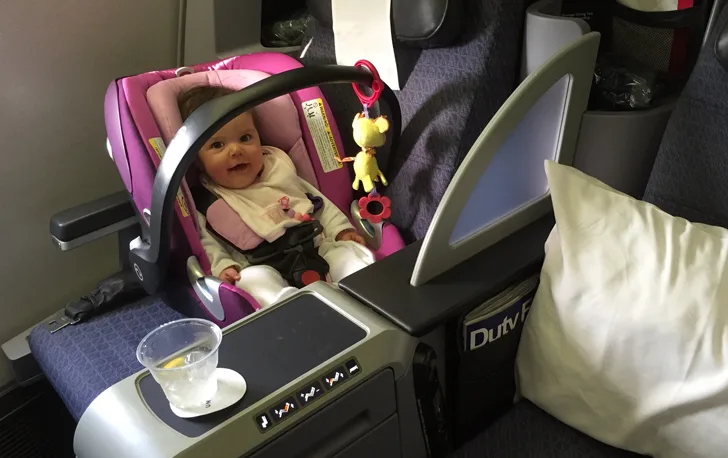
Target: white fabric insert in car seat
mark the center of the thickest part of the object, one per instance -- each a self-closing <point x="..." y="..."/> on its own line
<point x="627" y="338"/>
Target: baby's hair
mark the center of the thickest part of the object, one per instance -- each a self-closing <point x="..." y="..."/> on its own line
<point x="194" y="98"/>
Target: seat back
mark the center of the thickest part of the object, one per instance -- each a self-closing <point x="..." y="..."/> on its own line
<point x="690" y="175"/>
<point x="448" y="95"/>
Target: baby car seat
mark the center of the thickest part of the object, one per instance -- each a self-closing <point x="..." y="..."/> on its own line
<point x="142" y="118"/>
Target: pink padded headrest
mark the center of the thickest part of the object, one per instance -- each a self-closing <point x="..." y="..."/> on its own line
<point x="277" y="119"/>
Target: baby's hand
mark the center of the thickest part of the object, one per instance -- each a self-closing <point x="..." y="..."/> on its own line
<point x="230" y="275"/>
<point x="350" y="235"/>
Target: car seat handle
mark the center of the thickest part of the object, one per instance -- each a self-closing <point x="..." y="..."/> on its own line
<point x="149" y="254"/>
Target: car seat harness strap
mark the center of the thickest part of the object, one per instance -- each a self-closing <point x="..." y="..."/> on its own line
<point x="294" y="254"/>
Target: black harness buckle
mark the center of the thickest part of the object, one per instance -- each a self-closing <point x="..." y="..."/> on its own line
<point x="294" y="255"/>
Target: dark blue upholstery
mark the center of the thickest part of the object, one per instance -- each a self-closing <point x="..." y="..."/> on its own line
<point x="448" y="97"/>
<point x="83" y="360"/>
<point x="690" y="175"/>
<point x="526" y="431"/>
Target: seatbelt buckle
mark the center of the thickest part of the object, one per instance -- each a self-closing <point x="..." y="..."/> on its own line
<point x="58" y="321"/>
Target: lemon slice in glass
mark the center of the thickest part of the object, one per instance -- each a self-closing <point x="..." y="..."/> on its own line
<point x="176" y="362"/>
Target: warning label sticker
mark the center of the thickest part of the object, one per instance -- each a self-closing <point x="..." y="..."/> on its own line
<point x="323" y="138"/>
<point x="159" y="147"/>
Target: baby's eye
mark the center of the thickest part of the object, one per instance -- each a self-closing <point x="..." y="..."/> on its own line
<point x="246" y="138"/>
<point x="216" y="145"/>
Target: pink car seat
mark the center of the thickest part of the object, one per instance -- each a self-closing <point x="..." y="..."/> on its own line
<point x="142" y="118"/>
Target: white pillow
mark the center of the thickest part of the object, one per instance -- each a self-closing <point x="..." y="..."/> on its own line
<point x="627" y="338"/>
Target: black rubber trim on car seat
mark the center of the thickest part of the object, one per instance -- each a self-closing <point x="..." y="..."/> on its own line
<point x="150" y="254"/>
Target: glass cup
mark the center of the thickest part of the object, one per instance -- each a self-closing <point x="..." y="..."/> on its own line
<point x="182" y="358"/>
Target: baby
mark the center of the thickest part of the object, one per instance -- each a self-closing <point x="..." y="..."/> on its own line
<point x="255" y="181"/>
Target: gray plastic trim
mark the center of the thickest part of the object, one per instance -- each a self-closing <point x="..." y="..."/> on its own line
<point x="372" y="233"/>
<point x="220" y="29"/>
<point x="17" y="347"/>
<point x="207" y="288"/>
<point x="437" y="255"/>
<point x="619" y="148"/>
<point x="546" y="32"/>
<point x="91" y="236"/>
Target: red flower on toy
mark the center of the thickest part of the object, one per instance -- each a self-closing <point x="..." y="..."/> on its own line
<point x="375" y="208"/>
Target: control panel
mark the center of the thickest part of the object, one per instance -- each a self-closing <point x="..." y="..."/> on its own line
<point x="291" y="403"/>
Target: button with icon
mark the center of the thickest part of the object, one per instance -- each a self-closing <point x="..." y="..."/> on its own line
<point x="283" y="410"/>
<point x="334" y="378"/>
<point x="309" y="393"/>
<point x="263" y="422"/>
<point x="352" y="367"/>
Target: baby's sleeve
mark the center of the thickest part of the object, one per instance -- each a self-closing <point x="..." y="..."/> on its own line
<point x="218" y="255"/>
<point x="332" y="219"/>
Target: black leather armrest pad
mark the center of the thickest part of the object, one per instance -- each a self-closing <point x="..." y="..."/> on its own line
<point x="91" y="216"/>
<point x="385" y="285"/>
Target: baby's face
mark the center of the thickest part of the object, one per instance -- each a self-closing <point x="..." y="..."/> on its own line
<point x="233" y="157"/>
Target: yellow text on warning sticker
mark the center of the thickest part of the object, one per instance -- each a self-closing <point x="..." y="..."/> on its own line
<point x="158" y="145"/>
<point x="323" y="138"/>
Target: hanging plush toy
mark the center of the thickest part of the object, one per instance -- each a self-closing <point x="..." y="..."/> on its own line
<point x="368" y="134"/>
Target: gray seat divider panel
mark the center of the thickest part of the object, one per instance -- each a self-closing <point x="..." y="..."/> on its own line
<point x="540" y="120"/>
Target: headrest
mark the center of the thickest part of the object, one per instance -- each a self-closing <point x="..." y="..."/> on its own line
<point x="721" y="46"/>
<point x="277" y="119"/>
<point x="424" y="23"/>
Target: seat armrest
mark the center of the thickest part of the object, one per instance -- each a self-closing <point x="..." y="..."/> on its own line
<point x="385" y="285"/>
<point x="91" y="220"/>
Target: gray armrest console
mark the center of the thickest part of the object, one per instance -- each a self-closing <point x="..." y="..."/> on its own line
<point x="281" y="351"/>
<point x="385" y="285"/>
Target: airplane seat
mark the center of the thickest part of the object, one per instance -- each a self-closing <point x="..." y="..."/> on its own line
<point x="689" y="176"/>
<point x="60" y="354"/>
<point x="142" y="119"/>
<point x="452" y="83"/>
<point x="380" y="379"/>
<point x="687" y="180"/>
<point x="363" y="345"/>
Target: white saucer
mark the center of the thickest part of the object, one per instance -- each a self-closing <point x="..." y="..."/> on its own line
<point x="231" y="387"/>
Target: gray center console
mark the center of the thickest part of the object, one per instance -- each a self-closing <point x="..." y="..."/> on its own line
<point x="358" y="366"/>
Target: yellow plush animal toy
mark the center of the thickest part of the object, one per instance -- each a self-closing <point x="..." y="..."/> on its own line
<point x="368" y="134"/>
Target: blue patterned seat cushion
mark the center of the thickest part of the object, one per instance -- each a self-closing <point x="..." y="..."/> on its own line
<point x="526" y="431"/>
<point x="83" y="360"/>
